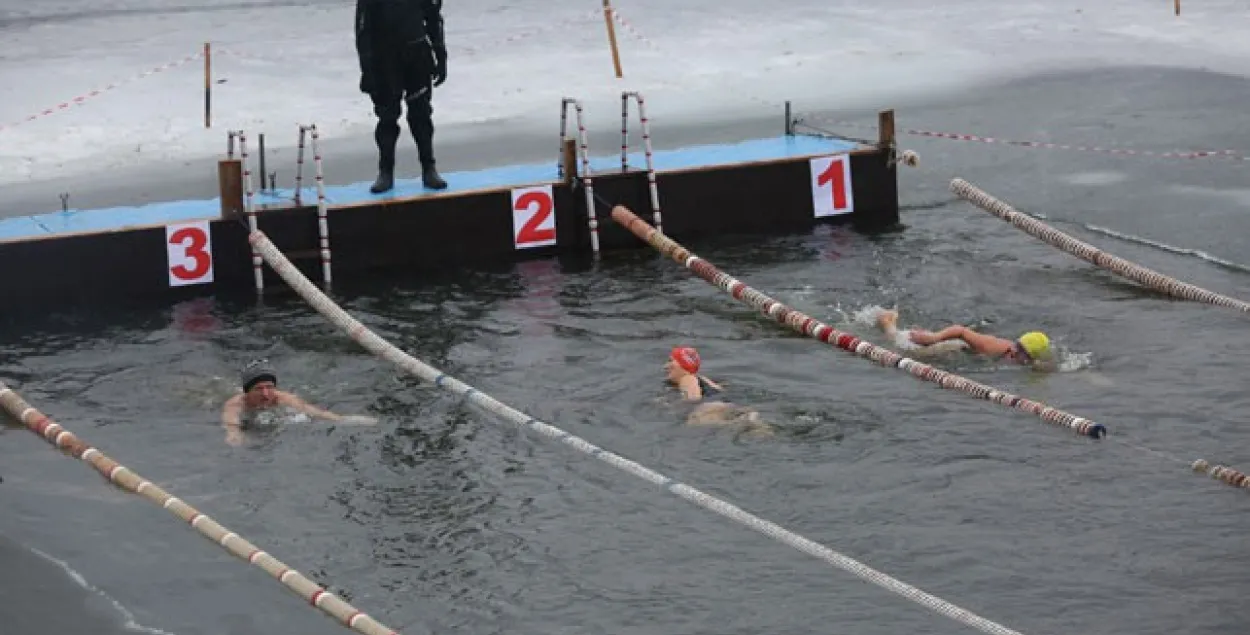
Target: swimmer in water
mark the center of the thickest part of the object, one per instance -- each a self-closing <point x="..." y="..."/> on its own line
<point x="682" y="368"/>
<point x="260" y="392"/>
<point x="1029" y="349"/>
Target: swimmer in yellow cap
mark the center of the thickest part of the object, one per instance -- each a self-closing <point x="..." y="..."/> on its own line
<point x="682" y="368"/>
<point x="1028" y="349"/>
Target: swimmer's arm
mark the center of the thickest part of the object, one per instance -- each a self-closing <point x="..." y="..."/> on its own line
<point x="926" y="338"/>
<point x="230" y="419"/>
<point x="293" y="401"/>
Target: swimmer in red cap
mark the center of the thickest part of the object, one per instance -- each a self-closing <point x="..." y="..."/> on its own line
<point x="683" y="371"/>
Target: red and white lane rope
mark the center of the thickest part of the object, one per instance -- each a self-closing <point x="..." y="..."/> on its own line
<point x="371" y="342"/>
<point x="124" y="477"/>
<point x="822" y="332"/>
<point x="1085" y="251"/>
<point x="78" y="100"/>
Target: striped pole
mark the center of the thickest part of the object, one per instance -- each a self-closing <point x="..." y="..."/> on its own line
<point x="583" y="150"/>
<point x="323" y="222"/>
<point x="375" y="344"/>
<point x="646" y="141"/>
<point x="250" y="209"/>
<point x="208" y="85"/>
<point x="299" y="166"/>
<point x="1119" y="266"/>
<point x="125" y="478"/>
<point x="624" y="131"/>
<point x="817" y="330"/>
<point x="564" y="125"/>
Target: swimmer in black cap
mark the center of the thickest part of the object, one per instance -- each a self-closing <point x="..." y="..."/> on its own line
<point x="260" y="392"/>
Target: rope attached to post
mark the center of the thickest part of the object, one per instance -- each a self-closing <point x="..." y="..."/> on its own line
<point x="385" y="350"/>
<point x="1091" y="254"/>
<point x="813" y="328"/>
<point x="124" y="477"/>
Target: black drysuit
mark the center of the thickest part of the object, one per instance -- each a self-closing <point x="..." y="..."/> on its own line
<point x="402" y="57"/>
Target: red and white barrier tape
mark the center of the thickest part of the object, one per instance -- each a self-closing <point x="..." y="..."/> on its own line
<point x="1178" y="154"/>
<point x="620" y="19"/>
<point x="77" y="101"/>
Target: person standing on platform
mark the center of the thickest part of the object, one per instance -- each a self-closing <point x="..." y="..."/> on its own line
<point x="403" y="56"/>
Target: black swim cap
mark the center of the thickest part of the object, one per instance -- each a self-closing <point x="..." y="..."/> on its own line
<point x="257" y="372"/>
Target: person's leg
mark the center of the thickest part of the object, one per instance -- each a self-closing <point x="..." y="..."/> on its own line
<point x="419" y="92"/>
<point x="386" y="105"/>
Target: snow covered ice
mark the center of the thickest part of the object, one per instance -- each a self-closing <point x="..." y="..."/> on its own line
<point x="293" y="62"/>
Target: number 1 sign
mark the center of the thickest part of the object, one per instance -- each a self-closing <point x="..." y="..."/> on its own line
<point x="832" y="194"/>
<point x="533" y="217"/>
<point x="189" y="247"/>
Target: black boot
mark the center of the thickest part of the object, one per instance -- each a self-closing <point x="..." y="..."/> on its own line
<point x="386" y="135"/>
<point x="431" y="179"/>
<point x="384" y="182"/>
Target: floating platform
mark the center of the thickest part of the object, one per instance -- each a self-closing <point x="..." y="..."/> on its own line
<point x="175" y="250"/>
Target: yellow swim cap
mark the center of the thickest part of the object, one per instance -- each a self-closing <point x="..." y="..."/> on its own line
<point x="1036" y="344"/>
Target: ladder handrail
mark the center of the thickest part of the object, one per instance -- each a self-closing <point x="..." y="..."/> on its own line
<point x="646" y="140"/>
<point x="585" y="159"/>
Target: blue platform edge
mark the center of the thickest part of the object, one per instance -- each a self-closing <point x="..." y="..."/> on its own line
<point x="154" y="214"/>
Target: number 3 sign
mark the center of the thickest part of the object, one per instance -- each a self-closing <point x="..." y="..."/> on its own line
<point x="189" y="248"/>
<point x="533" y="217"/>
<point x="831" y="185"/>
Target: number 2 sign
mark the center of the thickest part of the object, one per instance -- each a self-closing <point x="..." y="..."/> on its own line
<point x="533" y="217"/>
<point x="189" y="248"/>
<point x="832" y="194"/>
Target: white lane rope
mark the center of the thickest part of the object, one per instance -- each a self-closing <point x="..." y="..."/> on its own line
<point x="380" y="347"/>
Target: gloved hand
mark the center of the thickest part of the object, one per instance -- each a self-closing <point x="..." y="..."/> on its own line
<point x="440" y="65"/>
<point x="366" y="83"/>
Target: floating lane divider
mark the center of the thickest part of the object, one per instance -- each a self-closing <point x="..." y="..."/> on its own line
<point x="823" y="332"/>
<point x="122" y="476"/>
<point x="1089" y="253"/>
<point x="380" y="347"/>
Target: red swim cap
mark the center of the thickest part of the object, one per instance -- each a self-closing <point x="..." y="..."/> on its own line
<point x="687" y="358"/>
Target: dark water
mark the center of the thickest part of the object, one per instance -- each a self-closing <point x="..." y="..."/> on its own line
<point x="443" y="518"/>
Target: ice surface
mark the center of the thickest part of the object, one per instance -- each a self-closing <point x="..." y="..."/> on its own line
<point x="286" y="63"/>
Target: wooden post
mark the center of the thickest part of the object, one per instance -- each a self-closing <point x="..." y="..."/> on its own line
<point x="570" y="161"/>
<point x="1178" y="7"/>
<point x="230" y="185"/>
<point x="885" y="124"/>
<point x="208" y="85"/>
<point x="607" y="18"/>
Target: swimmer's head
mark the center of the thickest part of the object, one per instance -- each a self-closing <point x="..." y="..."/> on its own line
<point x="259" y="382"/>
<point x="682" y="360"/>
<point x="1034" y="345"/>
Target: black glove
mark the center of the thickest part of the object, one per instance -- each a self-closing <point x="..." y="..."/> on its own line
<point x="440" y="65"/>
<point x="366" y="83"/>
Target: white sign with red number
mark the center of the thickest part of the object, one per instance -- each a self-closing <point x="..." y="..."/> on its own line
<point x="190" y="250"/>
<point x="831" y="185"/>
<point x="533" y="217"/>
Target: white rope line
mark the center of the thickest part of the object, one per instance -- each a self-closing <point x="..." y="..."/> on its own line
<point x="380" y="347"/>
